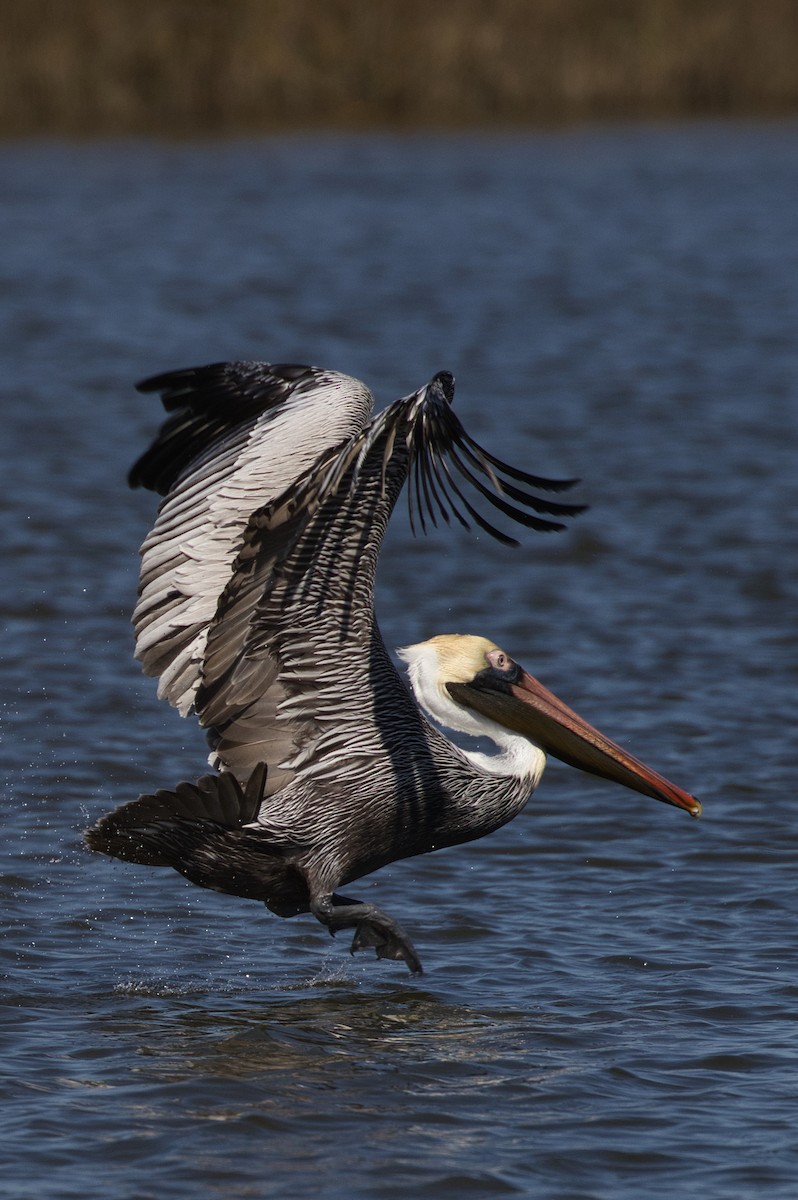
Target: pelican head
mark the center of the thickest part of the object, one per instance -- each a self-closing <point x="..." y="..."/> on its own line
<point x="471" y="685"/>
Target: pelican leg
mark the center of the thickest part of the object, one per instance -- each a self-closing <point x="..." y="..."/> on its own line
<point x="373" y="928"/>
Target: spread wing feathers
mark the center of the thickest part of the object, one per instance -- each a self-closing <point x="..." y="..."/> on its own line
<point x="241" y="433"/>
<point x="439" y="433"/>
<point x="295" y="673"/>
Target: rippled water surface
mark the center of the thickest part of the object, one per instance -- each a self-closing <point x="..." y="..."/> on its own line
<point x="611" y="989"/>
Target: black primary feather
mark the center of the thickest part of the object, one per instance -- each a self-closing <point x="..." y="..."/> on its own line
<point x="440" y="448"/>
<point x="209" y="403"/>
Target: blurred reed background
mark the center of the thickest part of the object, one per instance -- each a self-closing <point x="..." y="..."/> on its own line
<point x="113" y="67"/>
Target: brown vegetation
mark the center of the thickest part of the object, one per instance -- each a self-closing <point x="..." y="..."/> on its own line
<point x="213" y="66"/>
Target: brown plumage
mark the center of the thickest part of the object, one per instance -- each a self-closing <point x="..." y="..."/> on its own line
<point x="256" y="612"/>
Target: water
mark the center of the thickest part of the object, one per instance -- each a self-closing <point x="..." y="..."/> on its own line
<point x="609" y="1004"/>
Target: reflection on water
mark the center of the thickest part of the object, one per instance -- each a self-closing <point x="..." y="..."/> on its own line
<point x="309" y="1036"/>
<point x="610" y="992"/>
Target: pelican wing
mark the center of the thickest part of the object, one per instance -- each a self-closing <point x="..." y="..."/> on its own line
<point x="240" y="434"/>
<point x="294" y="672"/>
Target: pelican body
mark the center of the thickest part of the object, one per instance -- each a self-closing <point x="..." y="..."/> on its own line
<point x="256" y="613"/>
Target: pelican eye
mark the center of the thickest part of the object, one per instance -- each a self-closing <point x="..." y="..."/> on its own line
<point x="500" y="661"/>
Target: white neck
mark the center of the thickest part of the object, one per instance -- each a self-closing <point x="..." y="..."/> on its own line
<point x="517" y="755"/>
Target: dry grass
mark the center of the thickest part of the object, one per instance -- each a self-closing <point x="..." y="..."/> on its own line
<point x="211" y="66"/>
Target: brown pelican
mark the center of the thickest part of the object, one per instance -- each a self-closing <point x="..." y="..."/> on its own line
<point x="256" y="613"/>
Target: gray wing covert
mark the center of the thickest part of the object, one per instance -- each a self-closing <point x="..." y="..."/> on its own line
<point x="286" y="670"/>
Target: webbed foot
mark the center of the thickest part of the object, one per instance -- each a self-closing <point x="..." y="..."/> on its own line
<point x="373" y="929"/>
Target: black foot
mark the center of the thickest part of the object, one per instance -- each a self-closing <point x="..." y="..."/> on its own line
<point x="373" y="929"/>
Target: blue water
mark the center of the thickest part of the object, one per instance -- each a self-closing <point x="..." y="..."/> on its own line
<point x="609" y="1008"/>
